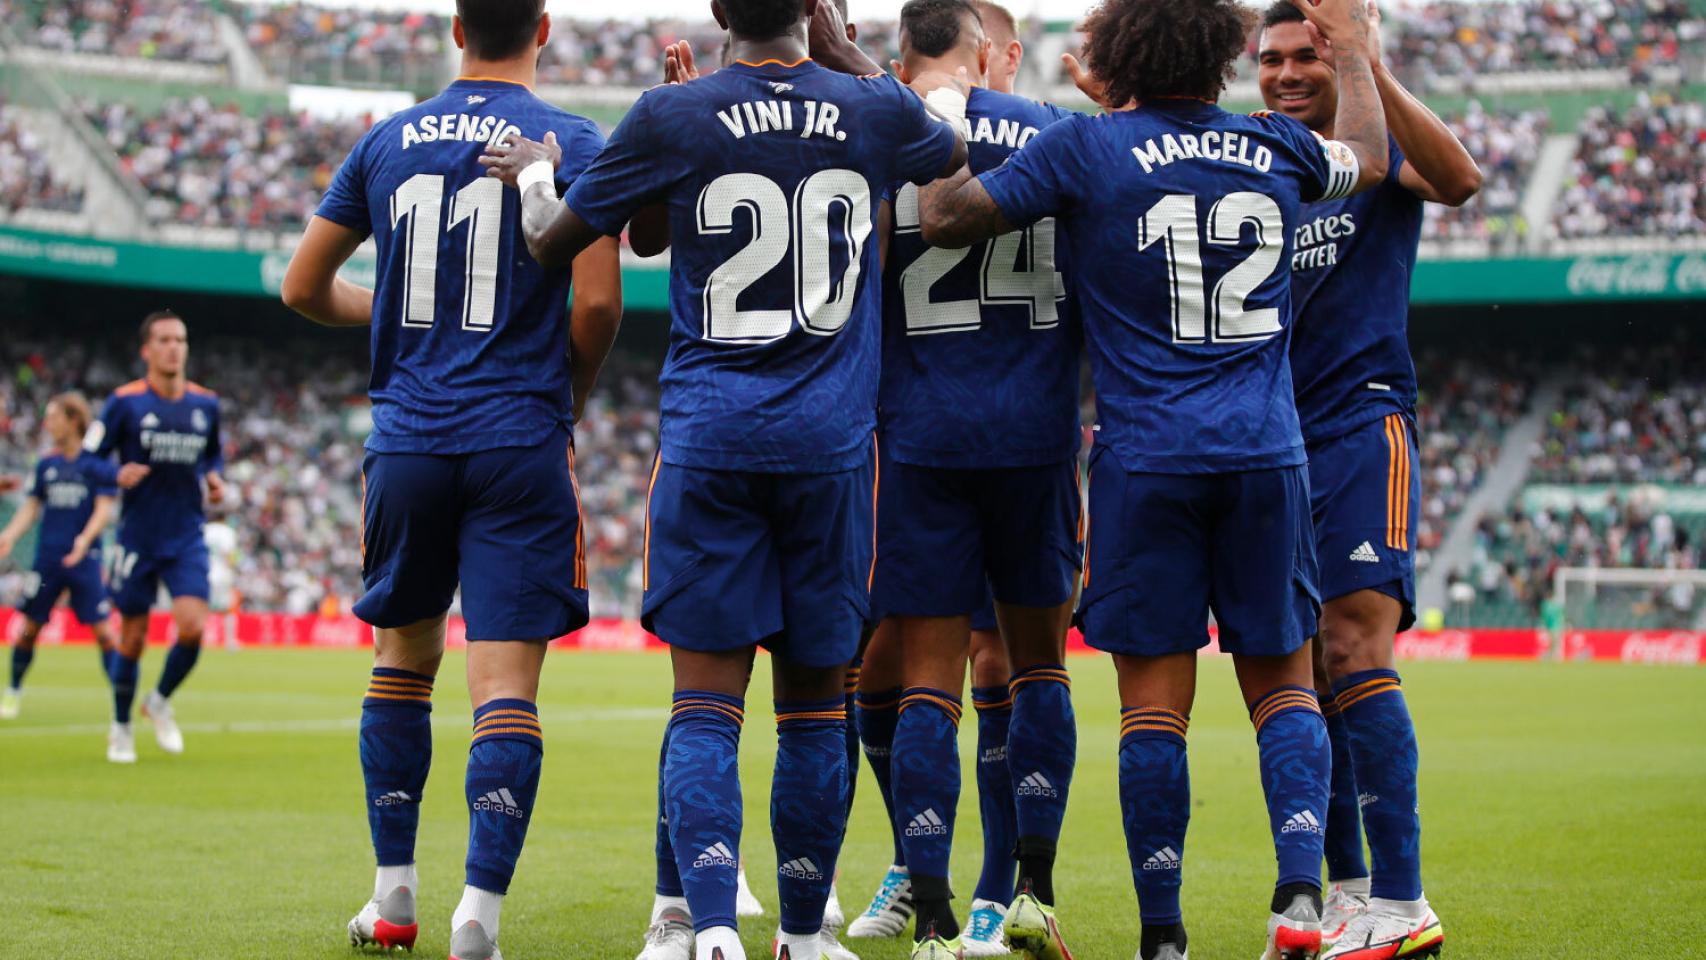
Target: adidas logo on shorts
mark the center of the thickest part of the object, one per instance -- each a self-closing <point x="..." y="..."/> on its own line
<point x="800" y="869"/>
<point x="1165" y="858"/>
<point x="715" y="855"/>
<point x="1302" y="821"/>
<point x="927" y="824"/>
<point x="499" y="801"/>
<point x="392" y="799"/>
<point x="1364" y="553"/>
<point x="1036" y="785"/>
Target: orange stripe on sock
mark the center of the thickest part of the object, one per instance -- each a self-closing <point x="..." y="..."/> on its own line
<point x="1363" y="691"/>
<point x="981" y="705"/>
<point x="495" y="731"/>
<point x="811" y="715"/>
<point x="398" y="696"/>
<point x="1273" y="704"/>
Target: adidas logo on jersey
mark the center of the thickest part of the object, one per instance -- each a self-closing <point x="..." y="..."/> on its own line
<point x="499" y="801"/>
<point x="1165" y="858"/>
<point x="927" y="824"/>
<point x="800" y="869"/>
<point x="150" y="420"/>
<point x="1364" y="553"/>
<point x="1302" y="821"/>
<point x="1036" y="785"/>
<point x="780" y="87"/>
<point x="392" y="799"/>
<point x="715" y="855"/>
<point x="474" y="98"/>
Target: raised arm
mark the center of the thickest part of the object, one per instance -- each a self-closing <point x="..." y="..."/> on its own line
<point x="555" y="234"/>
<point x="595" y="314"/>
<point x="1436" y="167"/>
<point x="831" y="47"/>
<point x="1360" y="123"/>
<point x="312" y="286"/>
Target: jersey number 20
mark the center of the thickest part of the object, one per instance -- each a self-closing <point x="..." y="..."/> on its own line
<point x="821" y="304"/>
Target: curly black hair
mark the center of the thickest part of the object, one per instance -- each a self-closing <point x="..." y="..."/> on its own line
<point x="1143" y="49"/>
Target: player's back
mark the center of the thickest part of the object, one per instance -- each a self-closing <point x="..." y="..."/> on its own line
<point x="1181" y="216"/>
<point x="980" y="344"/>
<point x="470" y="333"/>
<point x="771" y="173"/>
<point x="1350" y="290"/>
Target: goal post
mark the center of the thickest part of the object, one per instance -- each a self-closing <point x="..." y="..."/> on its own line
<point x="1631" y="598"/>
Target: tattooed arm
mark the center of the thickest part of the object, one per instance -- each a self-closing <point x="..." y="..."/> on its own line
<point x="958" y="211"/>
<point x="1360" y="122"/>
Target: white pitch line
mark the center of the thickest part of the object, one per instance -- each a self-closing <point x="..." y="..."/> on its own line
<point x="330" y="725"/>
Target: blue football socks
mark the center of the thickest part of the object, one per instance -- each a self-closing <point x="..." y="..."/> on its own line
<point x="396" y="754"/>
<point x="180" y="660"/>
<point x="1383" y="749"/>
<point x="875" y="714"/>
<point x="702" y="801"/>
<point x="1155" y="804"/>
<point x="503" y="780"/>
<point x="808" y="807"/>
<point x="1296" y="762"/>
<point x="1344" y="822"/>
<point x="995" y="795"/>
<point x="1042" y="748"/>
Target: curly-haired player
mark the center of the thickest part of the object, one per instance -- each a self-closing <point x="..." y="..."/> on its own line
<point x="1181" y="218"/>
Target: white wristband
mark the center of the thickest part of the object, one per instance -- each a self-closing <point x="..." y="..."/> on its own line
<point x="539" y="171"/>
<point x="951" y="104"/>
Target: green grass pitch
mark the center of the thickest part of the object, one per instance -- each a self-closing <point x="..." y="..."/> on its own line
<point x="1564" y="809"/>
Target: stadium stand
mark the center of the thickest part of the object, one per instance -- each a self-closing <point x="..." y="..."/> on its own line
<point x="1638" y="416"/>
<point x="1638" y="172"/>
<point x="217" y="166"/>
<point x="26" y="177"/>
<point x="167" y="30"/>
<point x="310" y="44"/>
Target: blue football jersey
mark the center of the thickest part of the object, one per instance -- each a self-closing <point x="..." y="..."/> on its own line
<point x="1350" y="298"/>
<point x="980" y="345"/>
<point x="67" y="489"/>
<point x="772" y="173"/>
<point x="470" y="334"/>
<point x="1180" y="218"/>
<point x="178" y="440"/>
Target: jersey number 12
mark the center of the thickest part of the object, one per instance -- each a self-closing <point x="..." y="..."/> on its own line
<point x="1172" y="222"/>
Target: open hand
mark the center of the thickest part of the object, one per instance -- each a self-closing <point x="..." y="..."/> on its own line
<point x="678" y="65"/>
<point x="132" y="474"/>
<point x="929" y="81"/>
<point x="507" y="159"/>
<point x="1089" y="84"/>
<point x="1343" y="23"/>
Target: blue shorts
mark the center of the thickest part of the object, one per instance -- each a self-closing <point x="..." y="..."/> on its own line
<point x="1166" y="549"/>
<point x="1363" y="493"/>
<point x="504" y="524"/>
<point x="735" y="558"/>
<point x="947" y="539"/>
<point x="983" y="618"/>
<point x="50" y="579"/>
<point x="137" y="576"/>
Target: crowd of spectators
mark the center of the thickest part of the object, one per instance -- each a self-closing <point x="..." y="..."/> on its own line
<point x="167" y="30"/>
<point x="1467" y="403"/>
<point x="1462" y="41"/>
<point x="1638" y="172"/>
<point x="1630" y="418"/>
<point x="315" y="44"/>
<point x="216" y="166"/>
<point x="1517" y="554"/>
<point x="27" y="178"/>
<point x="1505" y="143"/>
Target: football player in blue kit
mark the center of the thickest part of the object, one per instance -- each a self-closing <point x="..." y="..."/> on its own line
<point x="980" y="495"/>
<point x="760" y="525"/>
<point x="164" y="431"/>
<point x="479" y="368"/>
<point x="72" y="494"/>
<point x="1180" y="218"/>
<point x="1356" y="401"/>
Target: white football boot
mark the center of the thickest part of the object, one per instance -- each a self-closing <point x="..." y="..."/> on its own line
<point x="121" y="743"/>
<point x="158" y="710"/>
<point x="890" y="909"/>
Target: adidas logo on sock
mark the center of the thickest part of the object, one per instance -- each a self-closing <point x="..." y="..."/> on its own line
<point x="499" y="801"/>
<point x="1302" y="821"/>
<point x="1364" y="799"/>
<point x="996" y="754"/>
<point x="392" y="799"/>
<point x="715" y="855"/>
<point x="800" y="868"/>
<point x="1364" y="553"/>
<point x="1036" y="785"/>
<point x="927" y="824"/>
<point x="1165" y="858"/>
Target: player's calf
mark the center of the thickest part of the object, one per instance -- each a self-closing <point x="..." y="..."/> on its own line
<point x="503" y="781"/>
<point x="927" y="792"/>
<point x="808" y="811"/>
<point x="1042" y="749"/>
